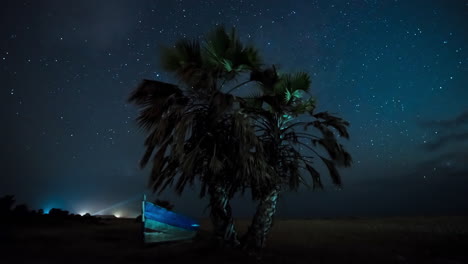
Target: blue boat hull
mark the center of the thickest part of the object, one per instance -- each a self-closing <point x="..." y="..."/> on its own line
<point x="162" y="225"/>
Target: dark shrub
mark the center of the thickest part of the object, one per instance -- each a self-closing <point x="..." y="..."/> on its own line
<point x="138" y="219"/>
<point x="21" y="210"/>
<point x="6" y="204"/>
<point x="58" y="213"/>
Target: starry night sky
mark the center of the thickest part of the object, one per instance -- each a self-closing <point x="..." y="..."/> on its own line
<point x="397" y="70"/>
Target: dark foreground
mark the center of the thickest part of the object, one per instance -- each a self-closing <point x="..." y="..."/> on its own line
<point x="388" y="240"/>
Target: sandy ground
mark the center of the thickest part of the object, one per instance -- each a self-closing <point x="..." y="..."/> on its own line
<point x="387" y="240"/>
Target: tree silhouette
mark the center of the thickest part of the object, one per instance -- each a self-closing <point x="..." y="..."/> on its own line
<point x="199" y="131"/>
<point x="196" y="131"/>
<point x="283" y="118"/>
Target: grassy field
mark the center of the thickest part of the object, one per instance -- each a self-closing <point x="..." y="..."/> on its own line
<point x="386" y="240"/>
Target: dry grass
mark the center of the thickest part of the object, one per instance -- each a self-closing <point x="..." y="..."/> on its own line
<point x="387" y="240"/>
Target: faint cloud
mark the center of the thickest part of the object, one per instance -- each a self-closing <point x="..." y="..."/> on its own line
<point x="448" y="132"/>
<point x="460" y="120"/>
<point x="447" y="139"/>
<point x="449" y="146"/>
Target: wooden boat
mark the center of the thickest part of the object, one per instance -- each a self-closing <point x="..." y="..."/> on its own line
<point x="162" y="225"/>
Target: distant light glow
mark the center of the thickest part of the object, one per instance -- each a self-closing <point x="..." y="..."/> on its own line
<point x="117" y="205"/>
<point x="82" y="213"/>
<point x="195" y="225"/>
<point x="117" y="215"/>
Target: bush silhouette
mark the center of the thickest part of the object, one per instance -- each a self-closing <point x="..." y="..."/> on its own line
<point x="21" y="210"/>
<point x="6" y="204"/>
<point x="59" y="213"/>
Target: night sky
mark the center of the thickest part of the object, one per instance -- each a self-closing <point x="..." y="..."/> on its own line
<point x="397" y="70"/>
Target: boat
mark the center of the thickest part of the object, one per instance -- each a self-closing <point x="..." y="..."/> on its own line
<point x="162" y="225"/>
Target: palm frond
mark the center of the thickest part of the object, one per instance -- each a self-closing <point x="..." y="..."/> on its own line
<point x="217" y="43"/>
<point x="220" y="103"/>
<point x="253" y="101"/>
<point x="154" y="99"/>
<point x="291" y="87"/>
<point x="334" y="174"/>
<point x="316" y="181"/>
<point x="215" y="164"/>
<point x="149" y="90"/>
<point x="227" y="55"/>
<point x="185" y="60"/>
<point x="184" y="53"/>
<point x="306" y="106"/>
<point x="336" y="122"/>
<point x="266" y="78"/>
<point x="300" y="82"/>
<point x="250" y="58"/>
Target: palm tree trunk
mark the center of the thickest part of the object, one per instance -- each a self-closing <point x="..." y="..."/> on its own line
<point x="221" y="216"/>
<point x="262" y="222"/>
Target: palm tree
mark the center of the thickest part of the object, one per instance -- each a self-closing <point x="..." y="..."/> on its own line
<point x="198" y="132"/>
<point x="278" y="113"/>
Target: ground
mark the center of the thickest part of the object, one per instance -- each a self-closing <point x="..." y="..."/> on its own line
<point x="352" y="240"/>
